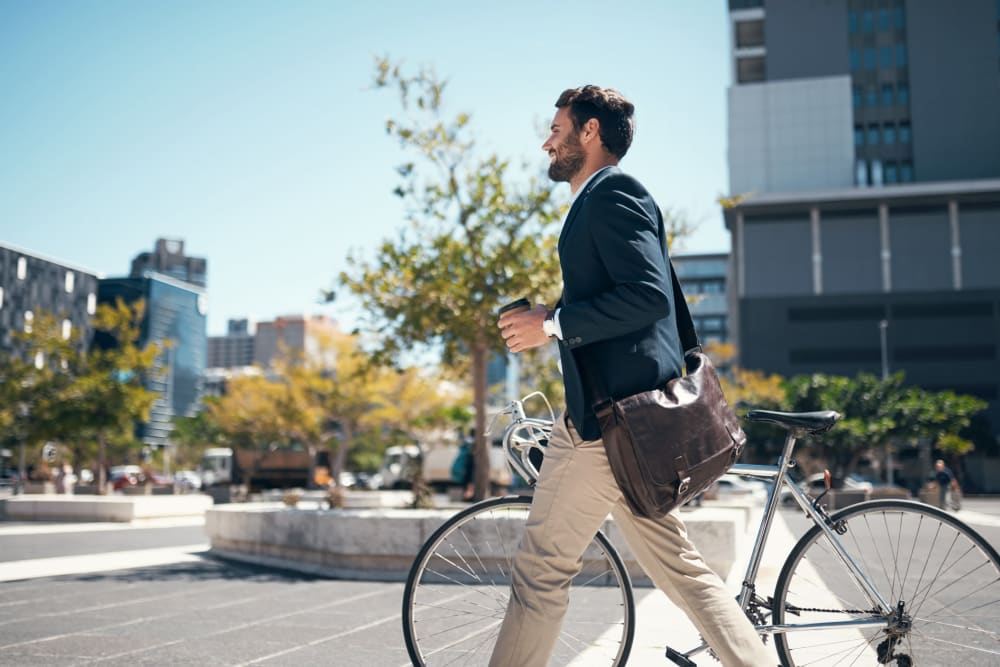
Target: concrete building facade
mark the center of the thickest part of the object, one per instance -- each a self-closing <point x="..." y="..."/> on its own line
<point x="235" y="349"/>
<point x="31" y="284"/>
<point x="821" y="259"/>
<point x="704" y="279"/>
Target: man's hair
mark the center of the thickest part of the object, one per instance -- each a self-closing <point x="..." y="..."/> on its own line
<point x="612" y="111"/>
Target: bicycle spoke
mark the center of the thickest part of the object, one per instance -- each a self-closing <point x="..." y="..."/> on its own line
<point x="941" y="578"/>
<point x="473" y="552"/>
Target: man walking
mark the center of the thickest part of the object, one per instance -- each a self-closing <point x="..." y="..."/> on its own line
<point x="616" y="319"/>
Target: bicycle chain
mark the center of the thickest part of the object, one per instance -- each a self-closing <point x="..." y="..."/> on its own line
<point x="870" y="612"/>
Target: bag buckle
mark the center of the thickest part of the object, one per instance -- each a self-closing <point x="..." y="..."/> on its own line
<point x="684" y="485"/>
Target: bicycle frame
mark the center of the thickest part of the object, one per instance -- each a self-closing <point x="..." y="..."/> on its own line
<point x="779" y="475"/>
<point x="776" y="474"/>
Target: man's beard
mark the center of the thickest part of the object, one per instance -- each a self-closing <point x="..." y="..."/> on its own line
<point x="566" y="165"/>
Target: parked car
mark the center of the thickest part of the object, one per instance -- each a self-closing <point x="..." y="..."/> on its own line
<point x="733" y="486"/>
<point x="131" y="475"/>
<point x="187" y="480"/>
<point x="121" y="476"/>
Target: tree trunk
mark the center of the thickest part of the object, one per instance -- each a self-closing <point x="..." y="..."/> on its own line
<point x="102" y="477"/>
<point x="481" y="451"/>
<point x="340" y="456"/>
<point x="311" y="482"/>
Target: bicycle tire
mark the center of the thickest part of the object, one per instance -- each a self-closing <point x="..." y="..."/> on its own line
<point x="457" y="591"/>
<point x="945" y="574"/>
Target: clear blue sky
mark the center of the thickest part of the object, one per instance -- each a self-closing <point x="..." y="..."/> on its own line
<point x="247" y="129"/>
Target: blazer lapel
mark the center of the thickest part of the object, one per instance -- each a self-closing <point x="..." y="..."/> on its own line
<point x="578" y="204"/>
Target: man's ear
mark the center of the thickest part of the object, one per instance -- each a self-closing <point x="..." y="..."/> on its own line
<point x="591" y="131"/>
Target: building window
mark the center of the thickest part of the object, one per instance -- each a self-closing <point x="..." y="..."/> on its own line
<point x="1" y="297"/>
<point x="749" y="34"/>
<point x="906" y="172"/>
<point x="858" y="97"/>
<point x="869" y="58"/>
<point x="877" y="172"/>
<point x="904" y="133"/>
<point x="855" y="59"/>
<point x="888" y="134"/>
<point x="860" y="172"/>
<point x="29" y="321"/>
<point x="69" y="282"/>
<point x="902" y="94"/>
<point x="887" y="94"/>
<point x="899" y="18"/>
<point x="91" y="303"/>
<point x="901" y="55"/>
<point x="872" y="97"/>
<point x="885" y="57"/>
<point x="891" y="173"/>
<point x="67" y="329"/>
<point x="868" y="21"/>
<point x="852" y="22"/>
<point x="883" y="19"/>
<point x="22" y="268"/>
<point x="859" y="135"/>
<point x="749" y="70"/>
<point x="873" y="134"/>
<point x="40" y="360"/>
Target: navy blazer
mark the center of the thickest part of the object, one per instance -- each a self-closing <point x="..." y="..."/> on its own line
<point x="617" y="307"/>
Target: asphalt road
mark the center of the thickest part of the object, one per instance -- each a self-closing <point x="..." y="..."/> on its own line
<point x="197" y="610"/>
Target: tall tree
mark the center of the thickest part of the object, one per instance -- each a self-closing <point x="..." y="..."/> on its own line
<point x="107" y="396"/>
<point x="32" y="383"/>
<point x="478" y="235"/>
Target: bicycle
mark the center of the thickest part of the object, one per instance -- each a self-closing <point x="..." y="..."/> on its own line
<point x="881" y="582"/>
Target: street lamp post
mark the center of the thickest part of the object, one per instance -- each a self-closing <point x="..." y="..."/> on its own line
<point x="883" y="326"/>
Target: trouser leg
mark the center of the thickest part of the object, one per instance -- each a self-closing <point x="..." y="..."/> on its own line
<point x="572" y="499"/>
<point x="670" y="559"/>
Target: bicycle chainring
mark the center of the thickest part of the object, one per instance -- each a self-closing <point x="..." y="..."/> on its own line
<point x="756" y="616"/>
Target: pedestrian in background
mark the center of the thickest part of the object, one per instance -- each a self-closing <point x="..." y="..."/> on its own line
<point x="946" y="481"/>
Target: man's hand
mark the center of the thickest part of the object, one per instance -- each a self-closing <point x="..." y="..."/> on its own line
<point x="523" y="330"/>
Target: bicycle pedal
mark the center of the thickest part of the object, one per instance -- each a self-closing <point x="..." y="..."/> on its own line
<point x="679" y="658"/>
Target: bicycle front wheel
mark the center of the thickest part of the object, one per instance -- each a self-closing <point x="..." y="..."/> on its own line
<point x="457" y="592"/>
<point x="941" y="578"/>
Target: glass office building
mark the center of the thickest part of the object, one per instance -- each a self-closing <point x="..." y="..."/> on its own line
<point x="175" y="313"/>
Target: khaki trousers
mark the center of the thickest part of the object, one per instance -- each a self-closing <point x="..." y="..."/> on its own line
<point x="572" y="498"/>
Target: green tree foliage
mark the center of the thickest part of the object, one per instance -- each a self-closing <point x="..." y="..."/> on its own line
<point x="876" y="411"/>
<point x="478" y="234"/>
<point x="353" y="405"/>
<point x="84" y="400"/>
<point x="31" y="386"/>
<point x="107" y="395"/>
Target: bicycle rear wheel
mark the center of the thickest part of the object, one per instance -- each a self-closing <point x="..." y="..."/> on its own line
<point x="941" y="575"/>
<point x="457" y="592"/>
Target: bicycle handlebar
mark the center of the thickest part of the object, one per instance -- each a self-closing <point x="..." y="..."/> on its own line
<point x="524" y="434"/>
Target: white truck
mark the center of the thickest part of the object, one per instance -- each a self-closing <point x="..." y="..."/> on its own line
<point x="436" y="469"/>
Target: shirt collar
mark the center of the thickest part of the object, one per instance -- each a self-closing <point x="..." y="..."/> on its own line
<point x="583" y="186"/>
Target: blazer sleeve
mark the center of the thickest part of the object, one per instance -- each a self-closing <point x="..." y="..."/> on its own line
<point x="624" y="227"/>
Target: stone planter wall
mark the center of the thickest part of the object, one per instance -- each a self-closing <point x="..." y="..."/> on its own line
<point x="380" y="544"/>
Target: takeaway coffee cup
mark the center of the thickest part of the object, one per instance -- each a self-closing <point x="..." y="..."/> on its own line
<point x="515" y="306"/>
